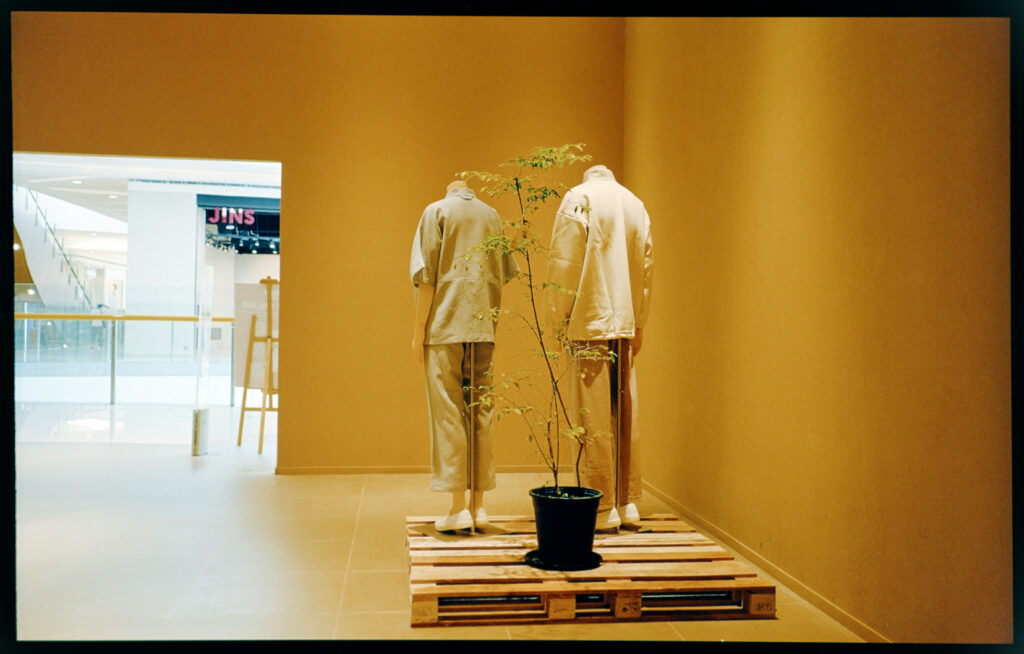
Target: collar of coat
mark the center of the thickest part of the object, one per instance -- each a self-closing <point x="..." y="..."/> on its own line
<point x="598" y="172"/>
<point x="464" y="193"/>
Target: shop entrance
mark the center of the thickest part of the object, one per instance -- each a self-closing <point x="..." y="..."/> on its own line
<point x="114" y="259"/>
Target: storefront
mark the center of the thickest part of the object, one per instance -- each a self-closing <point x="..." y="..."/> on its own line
<point x="144" y="252"/>
<point x="244" y="225"/>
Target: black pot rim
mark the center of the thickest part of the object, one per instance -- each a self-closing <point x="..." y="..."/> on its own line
<point x="573" y="493"/>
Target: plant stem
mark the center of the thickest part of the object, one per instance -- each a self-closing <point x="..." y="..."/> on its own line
<point x="540" y="338"/>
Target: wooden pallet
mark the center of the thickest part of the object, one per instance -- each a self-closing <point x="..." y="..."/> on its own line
<point x="662" y="570"/>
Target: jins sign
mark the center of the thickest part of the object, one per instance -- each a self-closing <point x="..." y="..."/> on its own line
<point x="226" y="216"/>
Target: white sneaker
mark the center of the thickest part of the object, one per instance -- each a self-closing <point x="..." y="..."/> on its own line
<point x="481" y="517"/>
<point x="608" y="519"/>
<point x="629" y="514"/>
<point x="461" y="520"/>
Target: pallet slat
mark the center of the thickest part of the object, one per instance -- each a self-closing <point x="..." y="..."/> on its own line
<point x="469" y="574"/>
<point x="498" y="540"/>
<point x="609" y="554"/>
<point x="487" y="590"/>
<point x="663" y="570"/>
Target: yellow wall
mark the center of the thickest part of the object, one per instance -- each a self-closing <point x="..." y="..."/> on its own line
<point x="830" y="206"/>
<point x="371" y="118"/>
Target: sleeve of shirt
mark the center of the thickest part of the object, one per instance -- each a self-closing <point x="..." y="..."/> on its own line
<point x="426" y="247"/>
<point x="565" y="258"/>
<point x="645" y="303"/>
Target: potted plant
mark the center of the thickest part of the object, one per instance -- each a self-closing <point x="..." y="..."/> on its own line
<point x="565" y="514"/>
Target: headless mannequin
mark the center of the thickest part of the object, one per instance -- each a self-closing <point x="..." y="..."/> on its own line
<point x="622" y="511"/>
<point x="424" y="300"/>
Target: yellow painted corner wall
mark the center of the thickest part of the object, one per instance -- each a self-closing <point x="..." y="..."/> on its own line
<point x="371" y="117"/>
<point x="830" y="205"/>
<point x="825" y="377"/>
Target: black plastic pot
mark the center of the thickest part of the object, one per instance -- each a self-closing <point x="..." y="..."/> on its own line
<point x="565" y="528"/>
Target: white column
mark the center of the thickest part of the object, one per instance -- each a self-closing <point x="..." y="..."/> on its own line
<point x="161" y="272"/>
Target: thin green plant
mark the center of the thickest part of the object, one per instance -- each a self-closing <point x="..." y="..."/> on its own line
<point x="549" y="421"/>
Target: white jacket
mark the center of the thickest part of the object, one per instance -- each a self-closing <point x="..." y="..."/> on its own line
<point x="601" y="248"/>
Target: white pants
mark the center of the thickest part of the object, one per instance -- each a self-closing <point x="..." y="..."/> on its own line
<point x="450" y="367"/>
<point x="611" y="460"/>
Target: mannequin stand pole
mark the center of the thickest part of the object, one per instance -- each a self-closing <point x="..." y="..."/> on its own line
<point x="472" y="435"/>
<point x="617" y="364"/>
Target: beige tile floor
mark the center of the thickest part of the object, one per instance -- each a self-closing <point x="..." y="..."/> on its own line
<point x="121" y="534"/>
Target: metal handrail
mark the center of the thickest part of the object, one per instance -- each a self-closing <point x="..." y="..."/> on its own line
<point x="114" y="317"/>
<point x="60" y="246"/>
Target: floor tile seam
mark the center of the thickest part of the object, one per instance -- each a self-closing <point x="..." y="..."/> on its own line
<point x="676" y="631"/>
<point x="348" y="562"/>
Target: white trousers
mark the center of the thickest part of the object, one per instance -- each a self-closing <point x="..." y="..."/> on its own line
<point x="611" y="458"/>
<point x="450" y="367"/>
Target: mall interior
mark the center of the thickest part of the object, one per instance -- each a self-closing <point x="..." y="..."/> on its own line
<point x="825" y="377"/>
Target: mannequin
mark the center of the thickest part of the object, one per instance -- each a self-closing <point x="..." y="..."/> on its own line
<point x="454" y="347"/>
<point x="601" y="247"/>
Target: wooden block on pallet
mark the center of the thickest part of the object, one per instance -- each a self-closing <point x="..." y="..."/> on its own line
<point x="561" y="607"/>
<point x="759" y="603"/>
<point x="627" y="604"/>
<point x="424" y="610"/>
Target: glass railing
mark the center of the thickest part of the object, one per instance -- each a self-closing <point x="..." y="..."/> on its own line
<point x="119" y="359"/>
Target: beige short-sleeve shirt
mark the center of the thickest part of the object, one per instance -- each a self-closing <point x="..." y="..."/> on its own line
<point x="463" y="288"/>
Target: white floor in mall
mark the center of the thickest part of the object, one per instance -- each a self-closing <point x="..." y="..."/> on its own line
<point x="122" y="534"/>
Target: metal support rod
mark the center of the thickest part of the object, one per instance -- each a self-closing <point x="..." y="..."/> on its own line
<point x="472" y="435"/>
<point x="24" y="344"/>
<point x="113" y="362"/>
<point x="617" y="366"/>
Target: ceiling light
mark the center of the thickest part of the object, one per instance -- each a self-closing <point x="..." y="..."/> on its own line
<point x="229" y="226"/>
<point x="112" y="197"/>
<point x="31" y="291"/>
<point x="17" y="246"/>
<point x="76" y="181"/>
